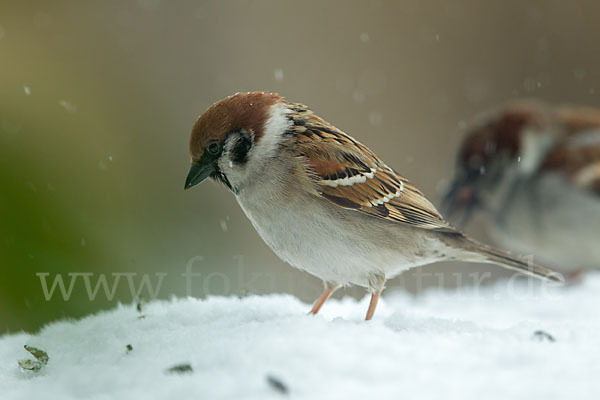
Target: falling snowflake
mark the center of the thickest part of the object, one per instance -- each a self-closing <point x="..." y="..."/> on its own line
<point x="278" y="74"/>
<point x="70" y="107"/>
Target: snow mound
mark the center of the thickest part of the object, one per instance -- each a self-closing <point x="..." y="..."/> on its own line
<point x="492" y="343"/>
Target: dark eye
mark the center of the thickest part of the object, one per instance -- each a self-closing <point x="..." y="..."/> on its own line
<point x="214" y="148"/>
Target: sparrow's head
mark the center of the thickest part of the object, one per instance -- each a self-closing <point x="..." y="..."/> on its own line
<point x="502" y="144"/>
<point x="226" y="139"/>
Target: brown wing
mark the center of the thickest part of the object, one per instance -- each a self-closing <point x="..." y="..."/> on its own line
<point x="578" y="158"/>
<point x="351" y="176"/>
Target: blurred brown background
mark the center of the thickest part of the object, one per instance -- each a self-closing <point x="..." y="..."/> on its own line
<point x="97" y="100"/>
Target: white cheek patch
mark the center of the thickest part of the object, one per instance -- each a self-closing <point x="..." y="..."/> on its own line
<point x="275" y="126"/>
<point x="534" y="147"/>
<point x="262" y="150"/>
<point x="225" y="159"/>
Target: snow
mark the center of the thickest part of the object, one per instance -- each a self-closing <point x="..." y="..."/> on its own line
<point x="467" y="344"/>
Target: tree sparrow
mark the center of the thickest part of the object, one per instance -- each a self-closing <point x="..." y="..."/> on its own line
<point x="323" y="201"/>
<point x="534" y="171"/>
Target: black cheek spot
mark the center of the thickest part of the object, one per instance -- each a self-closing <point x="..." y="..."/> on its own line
<point x="239" y="153"/>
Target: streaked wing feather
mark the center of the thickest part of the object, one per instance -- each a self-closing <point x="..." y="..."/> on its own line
<point x="351" y="176"/>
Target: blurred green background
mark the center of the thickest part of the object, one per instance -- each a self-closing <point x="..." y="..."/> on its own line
<point x="98" y="98"/>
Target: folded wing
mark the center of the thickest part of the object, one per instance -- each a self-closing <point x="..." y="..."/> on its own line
<point x="351" y="176"/>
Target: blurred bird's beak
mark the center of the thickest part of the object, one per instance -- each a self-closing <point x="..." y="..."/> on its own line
<point x="461" y="198"/>
<point x="199" y="171"/>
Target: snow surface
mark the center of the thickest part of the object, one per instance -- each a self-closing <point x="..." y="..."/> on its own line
<point x="466" y="344"/>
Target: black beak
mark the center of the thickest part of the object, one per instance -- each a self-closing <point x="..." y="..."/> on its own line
<point x="198" y="172"/>
<point x="461" y="198"/>
<point x="449" y="202"/>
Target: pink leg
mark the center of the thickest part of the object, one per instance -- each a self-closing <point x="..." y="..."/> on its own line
<point x="372" y="305"/>
<point x="331" y="287"/>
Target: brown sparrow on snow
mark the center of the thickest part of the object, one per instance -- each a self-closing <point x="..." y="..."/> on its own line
<point x="321" y="200"/>
<point x="534" y="171"/>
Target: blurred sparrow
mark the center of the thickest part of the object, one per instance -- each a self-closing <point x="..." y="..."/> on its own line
<point x="321" y="200"/>
<point x="534" y="172"/>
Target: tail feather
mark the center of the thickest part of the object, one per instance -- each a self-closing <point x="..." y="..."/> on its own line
<point x="484" y="253"/>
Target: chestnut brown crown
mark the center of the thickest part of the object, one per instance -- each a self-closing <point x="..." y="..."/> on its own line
<point x="499" y="136"/>
<point x="247" y="111"/>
